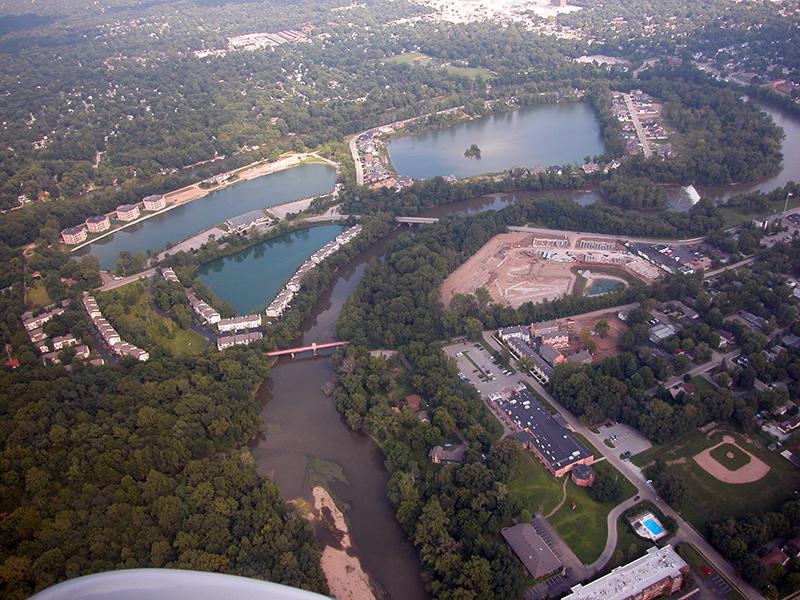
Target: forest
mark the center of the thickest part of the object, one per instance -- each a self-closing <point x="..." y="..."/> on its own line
<point x="141" y="466"/>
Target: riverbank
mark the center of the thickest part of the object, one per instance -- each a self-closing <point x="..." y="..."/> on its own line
<point x="346" y="577"/>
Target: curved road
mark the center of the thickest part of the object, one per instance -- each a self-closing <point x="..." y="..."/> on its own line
<point x="686" y="532"/>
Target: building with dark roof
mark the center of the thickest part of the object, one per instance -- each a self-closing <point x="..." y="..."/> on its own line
<point x="556" y="447"/>
<point x="583" y="475"/>
<point x="551" y="355"/>
<point x="246" y="221"/>
<point x="74" y="235"/>
<point x="541" y="369"/>
<point x="127" y="212"/>
<point x="544" y="328"/>
<point x="154" y="202"/>
<point x="98" y="223"/>
<point x="531" y="549"/>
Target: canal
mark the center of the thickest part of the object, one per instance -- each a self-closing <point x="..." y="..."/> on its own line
<point x="306" y="437"/>
<point x="307" y="180"/>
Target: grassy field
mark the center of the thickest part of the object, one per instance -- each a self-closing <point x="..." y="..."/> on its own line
<point x="584" y="527"/>
<point x="186" y="342"/>
<point x="418" y="58"/>
<point x="730" y="457"/>
<point x="709" y="498"/>
<point x="732" y="216"/>
<point x="408" y="58"/>
<point x="38" y="298"/>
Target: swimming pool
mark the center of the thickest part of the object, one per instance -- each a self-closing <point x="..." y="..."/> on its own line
<point x="654" y="527"/>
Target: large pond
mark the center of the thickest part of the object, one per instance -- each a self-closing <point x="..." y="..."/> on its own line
<point x="539" y="135"/>
<point x="184" y="221"/>
<point x="250" y="279"/>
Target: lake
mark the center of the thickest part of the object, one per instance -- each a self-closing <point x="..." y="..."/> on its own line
<point x="184" y="221"/>
<point x="250" y="279"/>
<point x="539" y="135"/>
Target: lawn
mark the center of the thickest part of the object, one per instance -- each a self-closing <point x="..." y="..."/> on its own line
<point x="584" y="527"/>
<point x="186" y="342"/>
<point x="408" y="58"/>
<point x="38" y="297"/>
<point x="732" y="216"/>
<point x="710" y="498"/>
<point x="730" y="457"/>
<point x="701" y="384"/>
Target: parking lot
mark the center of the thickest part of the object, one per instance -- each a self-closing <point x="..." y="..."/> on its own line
<point x="479" y="367"/>
<point x="626" y="438"/>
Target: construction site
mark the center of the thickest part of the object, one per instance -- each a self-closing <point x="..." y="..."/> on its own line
<point x="521" y="267"/>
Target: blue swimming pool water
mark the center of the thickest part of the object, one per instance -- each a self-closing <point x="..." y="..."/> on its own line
<point x="653" y="527"/>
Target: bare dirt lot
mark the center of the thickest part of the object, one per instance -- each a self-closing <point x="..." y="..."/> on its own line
<point x="515" y="270"/>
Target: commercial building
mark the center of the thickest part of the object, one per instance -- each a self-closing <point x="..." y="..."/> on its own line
<point x="531" y="549"/>
<point x="128" y="212"/>
<point x="246" y="221"/>
<point x="155" y="202"/>
<point x="98" y="223"/>
<point x="74" y="235"/>
<point x="660" y="571"/>
<point x="538" y="430"/>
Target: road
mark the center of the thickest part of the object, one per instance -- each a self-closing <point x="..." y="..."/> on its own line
<point x="686" y="533"/>
<point x="639" y="131"/>
<point x="605" y="236"/>
<point x="356" y="160"/>
<point x="109" y="283"/>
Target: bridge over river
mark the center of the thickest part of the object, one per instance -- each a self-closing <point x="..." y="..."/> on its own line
<point x="313" y="347"/>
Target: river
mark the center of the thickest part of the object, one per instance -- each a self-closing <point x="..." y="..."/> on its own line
<point x="304" y="181"/>
<point x="305" y="434"/>
<point x="789" y="169"/>
<point x="538" y="135"/>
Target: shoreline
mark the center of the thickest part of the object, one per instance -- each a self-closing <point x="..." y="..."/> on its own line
<point x="347" y="579"/>
<point x="193" y="192"/>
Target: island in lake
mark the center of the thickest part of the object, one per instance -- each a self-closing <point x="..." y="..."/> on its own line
<point x="473" y="151"/>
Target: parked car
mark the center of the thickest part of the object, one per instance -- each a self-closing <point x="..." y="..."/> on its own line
<point x="706" y="571"/>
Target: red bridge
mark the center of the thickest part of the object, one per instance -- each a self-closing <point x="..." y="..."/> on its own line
<point x="313" y="347"/>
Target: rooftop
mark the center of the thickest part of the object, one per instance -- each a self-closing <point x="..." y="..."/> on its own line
<point x="531" y="549"/>
<point x="558" y="445"/>
<point x="625" y="581"/>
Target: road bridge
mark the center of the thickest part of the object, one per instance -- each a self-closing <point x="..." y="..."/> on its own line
<point x="416" y="220"/>
<point x="313" y="347"/>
